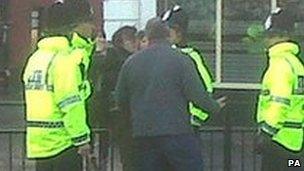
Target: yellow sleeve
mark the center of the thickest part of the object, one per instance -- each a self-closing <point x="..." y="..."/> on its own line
<point x="67" y="78"/>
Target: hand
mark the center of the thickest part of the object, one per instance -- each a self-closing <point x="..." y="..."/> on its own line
<point x="222" y="101"/>
<point x="84" y="150"/>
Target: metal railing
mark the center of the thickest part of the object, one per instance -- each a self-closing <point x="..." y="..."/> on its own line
<point x="229" y="149"/>
<point x="222" y="150"/>
<point x="13" y="158"/>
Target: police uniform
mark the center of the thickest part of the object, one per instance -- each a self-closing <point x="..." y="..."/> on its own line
<point x="178" y="17"/>
<point x="198" y="116"/>
<point x="280" y="107"/>
<point x="56" y="89"/>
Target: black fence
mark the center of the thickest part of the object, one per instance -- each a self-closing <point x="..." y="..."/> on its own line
<point x="223" y="150"/>
<point x="13" y="158"/>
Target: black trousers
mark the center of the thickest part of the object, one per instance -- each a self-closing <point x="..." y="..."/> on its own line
<point x="275" y="157"/>
<point x="168" y="153"/>
<point x="65" y="161"/>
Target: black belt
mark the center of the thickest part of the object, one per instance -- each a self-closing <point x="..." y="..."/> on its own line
<point x="45" y="124"/>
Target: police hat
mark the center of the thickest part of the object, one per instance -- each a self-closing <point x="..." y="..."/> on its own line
<point x="176" y="16"/>
<point x="66" y="13"/>
<point x="280" y="21"/>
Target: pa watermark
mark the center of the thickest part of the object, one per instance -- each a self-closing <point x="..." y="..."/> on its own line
<point x="294" y="163"/>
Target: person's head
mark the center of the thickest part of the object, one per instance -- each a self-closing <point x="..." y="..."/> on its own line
<point x="142" y="40"/>
<point x="279" y="27"/>
<point x="125" y="38"/>
<point x="156" y="29"/>
<point x="177" y="20"/>
<point x="66" y="17"/>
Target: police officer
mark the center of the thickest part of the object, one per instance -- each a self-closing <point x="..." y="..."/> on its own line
<point x="177" y="20"/>
<point x="56" y="88"/>
<point x="280" y="106"/>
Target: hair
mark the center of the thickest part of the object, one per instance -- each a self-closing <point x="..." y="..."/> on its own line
<point x="61" y="18"/>
<point x="140" y="34"/>
<point x="122" y="34"/>
<point x="156" y="29"/>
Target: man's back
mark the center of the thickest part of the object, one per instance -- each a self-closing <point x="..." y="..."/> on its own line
<point x="156" y="83"/>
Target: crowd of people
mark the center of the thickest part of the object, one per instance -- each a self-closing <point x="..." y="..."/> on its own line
<point x="151" y="89"/>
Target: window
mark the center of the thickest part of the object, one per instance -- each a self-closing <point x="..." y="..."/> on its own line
<point x="243" y="59"/>
<point x="228" y="33"/>
<point x="118" y="13"/>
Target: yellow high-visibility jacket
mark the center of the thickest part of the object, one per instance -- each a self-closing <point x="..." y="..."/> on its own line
<point x="55" y="92"/>
<point x="198" y="116"/>
<point x="280" y="111"/>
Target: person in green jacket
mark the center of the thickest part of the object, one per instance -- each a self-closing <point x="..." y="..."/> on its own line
<point x="177" y="20"/>
<point x="56" y="88"/>
<point x="280" y="112"/>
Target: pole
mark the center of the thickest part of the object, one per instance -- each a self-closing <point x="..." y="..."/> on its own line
<point x="218" y="43"/>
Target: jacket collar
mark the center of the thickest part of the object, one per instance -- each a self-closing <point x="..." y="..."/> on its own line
<point x="62" y="42"/>
<point x="78" y="41"/>
<point x="55" y="43"/>
<point x="283" y="47"/>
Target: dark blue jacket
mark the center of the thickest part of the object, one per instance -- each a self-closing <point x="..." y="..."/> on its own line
<point x="155" y="86"/>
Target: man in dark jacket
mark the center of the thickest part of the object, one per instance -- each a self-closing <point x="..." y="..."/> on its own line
<point x="124" y="44"/>
<point x="155" y="85"/>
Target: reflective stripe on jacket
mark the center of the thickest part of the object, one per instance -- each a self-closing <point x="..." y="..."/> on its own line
<point x="280" y="110"/>
<point x="55" y="105"/>
<point x="198" y="116"/>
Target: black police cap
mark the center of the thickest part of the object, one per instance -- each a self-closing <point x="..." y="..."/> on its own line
<point x="280" y="21"/>
<point x="176" y="16"/>
<point x="67" y="13"/>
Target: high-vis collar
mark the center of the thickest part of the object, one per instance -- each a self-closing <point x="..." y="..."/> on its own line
<point x="79" y="42"/>
<point x="54" y="43"/>
<point x="284" y="47"/>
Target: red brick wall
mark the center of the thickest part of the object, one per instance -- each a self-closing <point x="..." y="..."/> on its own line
<point x="98" y="9"/>
<point x="19" y="17"/>
<point x="19" y="35"/>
